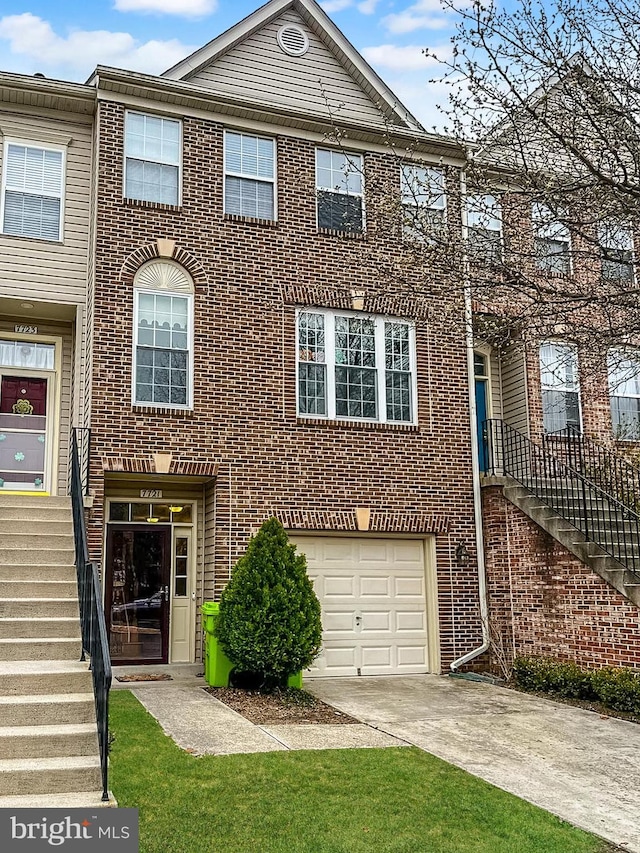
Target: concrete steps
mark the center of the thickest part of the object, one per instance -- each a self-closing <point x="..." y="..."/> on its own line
<point x="49" y="755"/>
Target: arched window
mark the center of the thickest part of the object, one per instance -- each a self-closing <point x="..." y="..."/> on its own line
<point x="163" y="320"/>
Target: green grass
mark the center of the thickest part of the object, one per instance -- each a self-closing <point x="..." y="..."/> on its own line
<point x="331" y="801"/>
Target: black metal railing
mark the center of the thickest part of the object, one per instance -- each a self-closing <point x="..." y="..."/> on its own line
<point x="92" y="623"/>
<point x="597" y="514"/>
<point x="83" y="445"/>
<point x="602" y="466"/>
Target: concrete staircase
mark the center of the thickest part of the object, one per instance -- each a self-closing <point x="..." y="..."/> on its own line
<point x="48" y="737"/>
<point x="563" y="528"/>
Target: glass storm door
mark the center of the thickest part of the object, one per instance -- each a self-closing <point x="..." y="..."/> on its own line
<point x="23" y="433"/>
<point x="138" y="574"/>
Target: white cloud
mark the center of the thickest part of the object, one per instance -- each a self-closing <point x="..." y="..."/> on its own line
<point x="185" y="8"/>
<point x="368" y="7"/>
<point x="330" y="6"/>
<point x="423" y="15"/>
<point x="34" y="46"/>
<point x="408" y="58"/>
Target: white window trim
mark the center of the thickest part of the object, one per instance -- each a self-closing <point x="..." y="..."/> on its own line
<point x="408" y="201"/>
<point x="540" y="225"/>
<point x="495" y="209"/>
<point x="31" y="143"/>
<point x="565" y="389"/>
<point x="330" y="363"/>
<point x="248" y="177"/>
<point x="149" y="404"/>
<point x="161" y="162"/>
<point x="628" y="229"/>
<point x="360" y="195"/>
<point x="621" y="353"/>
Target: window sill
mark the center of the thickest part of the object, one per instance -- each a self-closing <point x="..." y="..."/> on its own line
<point x="151" y="205"/>
<point x="57" y="242"/>
<point x="161" y="411"/>
<point x="345" y="235"/>
<point x="250" y="220"/>
<point x="329" y="423"/>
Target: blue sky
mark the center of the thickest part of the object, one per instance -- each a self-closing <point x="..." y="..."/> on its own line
<point x="66" y="39"/>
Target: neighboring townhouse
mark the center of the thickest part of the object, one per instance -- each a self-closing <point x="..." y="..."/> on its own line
<point x="257" y="352"/>
<point x="561" y="529"/>
<point x="46" y="129"/>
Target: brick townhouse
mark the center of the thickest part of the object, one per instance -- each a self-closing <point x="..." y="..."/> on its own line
<point x="251" y="358"/>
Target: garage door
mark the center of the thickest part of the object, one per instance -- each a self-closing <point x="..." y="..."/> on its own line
<point x="372" y="593"/>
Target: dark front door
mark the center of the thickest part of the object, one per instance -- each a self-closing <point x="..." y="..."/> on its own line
<point x="23" y="433"/>
<point x="481" y="417"/>
<point x="138" y="574"/>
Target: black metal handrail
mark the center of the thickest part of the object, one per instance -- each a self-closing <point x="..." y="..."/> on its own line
<point x="602" y="466"/>
<point x="92" y="623"/>
<point x="83" y="444"/>
<point x="600" y="516"/>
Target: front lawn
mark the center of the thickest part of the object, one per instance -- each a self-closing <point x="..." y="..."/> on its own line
<point x="332" y="801"/>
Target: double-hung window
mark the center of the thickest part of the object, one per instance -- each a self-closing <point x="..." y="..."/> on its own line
<point x="560" y="388"/>
<point x="339" y="184"/>
<point x="624" y="394"/>
<point x="551" y="240"/>
<point x="423" y="201"/>
<point x="32" y="192"/>
<point x="358" y="367"/>
<point x="152" y="158"/>
<point x="163" y="348"/>
<point x="249" y="175"/>
<point x="484" y="228"/>
<point x="616" y="251"/>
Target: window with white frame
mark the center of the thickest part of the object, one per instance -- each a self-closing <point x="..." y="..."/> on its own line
<point x="163" y="362"/>
<point x="152" y="158"/>
<point x="339" y="189"/>
<point x="624" y="393"/>
<point x="616" y="249"/>
<point x="552" y="243"/>
<point x="560" y="386"/>
<point x="32" y="191"/>
<point x="484" y="228"/>
<point x="355" y="366"/>
<point x="249" y="175"/>
<point x="423" y="200"/>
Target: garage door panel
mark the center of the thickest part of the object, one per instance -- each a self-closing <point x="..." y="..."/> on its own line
<point x="381" y="581"/>
<point x="375" y="587"/>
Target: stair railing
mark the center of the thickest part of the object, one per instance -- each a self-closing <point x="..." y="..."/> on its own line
<point x="602" y="466"/>
<point x="597" y="514"/>
<point x="92" y="623"/>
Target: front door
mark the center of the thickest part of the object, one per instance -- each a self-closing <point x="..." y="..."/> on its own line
<point x="138" y="575"/>
<point x="23" y="433"/>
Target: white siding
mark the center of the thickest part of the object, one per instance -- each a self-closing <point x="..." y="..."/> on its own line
<point x="316" y="83"/>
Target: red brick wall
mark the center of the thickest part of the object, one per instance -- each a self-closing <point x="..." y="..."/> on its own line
<point x="544" y="601"/>
<point x="416" y="479"/>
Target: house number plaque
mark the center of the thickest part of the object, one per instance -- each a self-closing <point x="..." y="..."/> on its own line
<point x="150" y="493"/>
<point x="25" y="330"/>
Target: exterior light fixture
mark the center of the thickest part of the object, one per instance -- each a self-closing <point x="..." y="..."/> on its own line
<point x="152" y="519"/>
<point x="176" y="508"/>
<point x="462" y="555"/>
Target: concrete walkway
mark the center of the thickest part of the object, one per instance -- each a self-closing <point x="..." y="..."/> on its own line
<point x="576" y="764"/>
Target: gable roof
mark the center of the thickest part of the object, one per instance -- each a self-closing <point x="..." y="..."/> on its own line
<point x="390" y="107"/>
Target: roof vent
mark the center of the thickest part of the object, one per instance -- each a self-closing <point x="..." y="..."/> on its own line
<point x="293" y="40"/>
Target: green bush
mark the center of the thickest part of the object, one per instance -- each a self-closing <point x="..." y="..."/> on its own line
<point x="269" y="623"/>
<point x="618" y="688"/>
<point x="562" y="678"/>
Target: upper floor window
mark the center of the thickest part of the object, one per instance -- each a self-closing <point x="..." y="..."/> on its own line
<point x="552" y="242"/>
<point x="616" y="248"/>
<point x="339" y="190"/>
<point x="624" y="394"/>
<point x="32" y="191"/>
<point x="152" y="158"/>
<point x="484" y="228"/>
<point x="249" y="175"/>
<point x="423" y="200"/>
<point x="163" y="363"/>
<point x="560" y="388"/>
<point x="355" y="366"/>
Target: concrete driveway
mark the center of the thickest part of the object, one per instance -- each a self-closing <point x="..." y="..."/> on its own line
<point x="582" y="767"/>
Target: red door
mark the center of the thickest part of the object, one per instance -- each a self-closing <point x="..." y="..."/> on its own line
<point x="23" y="432"/>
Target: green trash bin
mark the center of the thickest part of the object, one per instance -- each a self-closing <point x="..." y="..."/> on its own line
<point x="217" y="665"/>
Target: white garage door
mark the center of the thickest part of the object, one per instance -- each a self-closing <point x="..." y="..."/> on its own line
<point x="372" y="593"/>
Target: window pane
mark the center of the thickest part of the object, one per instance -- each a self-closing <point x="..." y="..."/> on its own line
<point x="339" y="212"/>
<point x="356" y="393"/>
<point x="560" y="410"/>
<point x="398" y="390"/>
<point x="355" y="341"/>
<point x="552" y="255"/>
<point x="244" y="197"/>
<point x="422" y="186"/>
<point x="338" y="171"/>
<point x="151" y="182"/>
<point x="312" y="393"/>
<point x="31" y="216"/>
<point x="311" y="345"/>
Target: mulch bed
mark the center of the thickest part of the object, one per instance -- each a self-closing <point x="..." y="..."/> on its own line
<point x="144" y="677"/>
<point x="281" y="707"/>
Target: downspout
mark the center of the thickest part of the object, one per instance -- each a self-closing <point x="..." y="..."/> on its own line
<point x="475" y="464"/>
